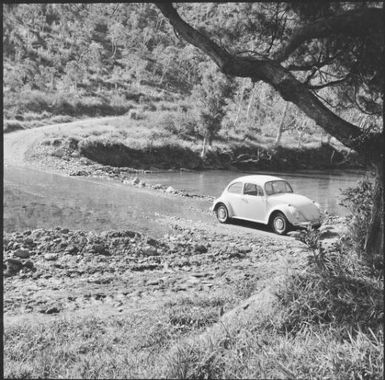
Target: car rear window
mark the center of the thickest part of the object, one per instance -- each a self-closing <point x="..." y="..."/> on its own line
<point x="235" y="188"/>
<point x="277" y="187"/>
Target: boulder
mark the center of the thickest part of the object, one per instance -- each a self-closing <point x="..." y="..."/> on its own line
<point x="170" y="189"/>
<point x="11" y="267"/>
<point x="22" y="253"/>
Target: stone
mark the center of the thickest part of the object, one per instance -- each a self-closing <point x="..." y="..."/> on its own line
<point x="244" y="249"/>
<point x="12" y="267"/>
<point x="170" y="189"/>
<point x="71" y="250"/>
<point x="135" y="181"/>
<point x="29" y="264"/>
<point x="149" y="251"/>
<point x="84" y="161"/>
<point x="22" y="253"/>
<point x="142" y="267"/>
<point x="157" y="186"/>
<point x="236" y="254"/>
<point x="100" y="249"/>
<point x="50" y="256"/>
<point x="200" y="248"/>
<point x="52" y="310"/>
<point x="28" y="241"/>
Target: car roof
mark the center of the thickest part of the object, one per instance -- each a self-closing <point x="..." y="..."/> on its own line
<point x="257" y="179"/>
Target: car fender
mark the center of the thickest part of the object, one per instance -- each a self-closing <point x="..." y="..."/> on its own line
<point x="285" y="209"/>
<point x="226" y="203"/>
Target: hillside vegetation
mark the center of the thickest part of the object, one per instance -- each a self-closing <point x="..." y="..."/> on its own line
<point x="68" y="61"/>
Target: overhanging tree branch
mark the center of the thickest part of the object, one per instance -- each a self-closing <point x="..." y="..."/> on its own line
<point x="328" y="84"/>
<point x="357" y="22"/>
<point x="272" y="73"/>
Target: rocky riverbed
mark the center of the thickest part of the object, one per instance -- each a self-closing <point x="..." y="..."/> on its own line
<point x="59" y="270"/>
<point x="62" y="156"/>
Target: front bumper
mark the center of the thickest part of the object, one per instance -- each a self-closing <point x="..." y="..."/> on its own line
<point x="312" y="224"/>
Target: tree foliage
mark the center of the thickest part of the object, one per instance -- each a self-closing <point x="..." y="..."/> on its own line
<point x="211" y="97"/>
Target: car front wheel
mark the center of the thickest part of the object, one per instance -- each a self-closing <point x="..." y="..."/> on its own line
<point x="222" y="214"/>
<point x="280" y="224"/>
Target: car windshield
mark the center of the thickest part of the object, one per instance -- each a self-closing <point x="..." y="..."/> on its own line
<point x="277" y="187"/>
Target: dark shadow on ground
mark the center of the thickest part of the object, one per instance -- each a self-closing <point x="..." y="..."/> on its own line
<point x="251" y="225"/>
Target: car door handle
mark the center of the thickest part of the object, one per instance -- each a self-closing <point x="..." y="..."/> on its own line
<point x="244" y="200"/>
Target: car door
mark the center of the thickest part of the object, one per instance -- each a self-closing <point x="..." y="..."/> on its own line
<point x="234" y="195"/>
<point x="253" y="202"/>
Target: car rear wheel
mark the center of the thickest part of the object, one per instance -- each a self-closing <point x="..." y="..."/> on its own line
<point x="222" y="214"/>
<point x="280" y="224"/>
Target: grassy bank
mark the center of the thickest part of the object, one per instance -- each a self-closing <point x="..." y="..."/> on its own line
<point x="144" y="140"/>
<point x="324" y="321"/>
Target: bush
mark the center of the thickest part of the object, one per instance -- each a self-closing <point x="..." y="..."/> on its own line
<point x="359" y="201"/>
<point x="337" y="289"/>
<point x="181" y="125"/>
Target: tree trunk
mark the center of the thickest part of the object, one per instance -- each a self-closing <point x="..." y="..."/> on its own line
<point x="239" y="105"/>
<point x="300" y="134"/>
<point x="250" y="103"/>
<point x="204" y="145"/>
<point x="280" y="127"/>
<point x="374" y="241"/>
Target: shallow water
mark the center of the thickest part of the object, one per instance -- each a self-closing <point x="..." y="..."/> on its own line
<point x="322" y="186"/>
<point x="35" y="199"/>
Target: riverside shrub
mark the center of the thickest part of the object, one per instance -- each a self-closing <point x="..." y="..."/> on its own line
<point x="359" y="201"/>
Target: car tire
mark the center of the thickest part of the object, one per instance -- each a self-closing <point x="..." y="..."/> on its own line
<point x="222" y="213"/>
<point x="279" y="224"/>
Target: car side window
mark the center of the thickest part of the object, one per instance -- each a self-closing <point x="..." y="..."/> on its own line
<point x="269" y="188"/>
<point x="252" y="189"/>
<point x="235" y="188"/>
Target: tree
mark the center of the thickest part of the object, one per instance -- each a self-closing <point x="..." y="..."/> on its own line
<point x="336" y="46"/>
<point x="281" y="125"/>
<point x="211" y="98"/>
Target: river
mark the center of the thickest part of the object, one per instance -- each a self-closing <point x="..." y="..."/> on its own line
<point x="322" y="186"/>
<point x="35" y="199"/>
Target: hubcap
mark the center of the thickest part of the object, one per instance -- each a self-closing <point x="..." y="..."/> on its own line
<point x="279" y="224"/>
<point x="222" y="213"/>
